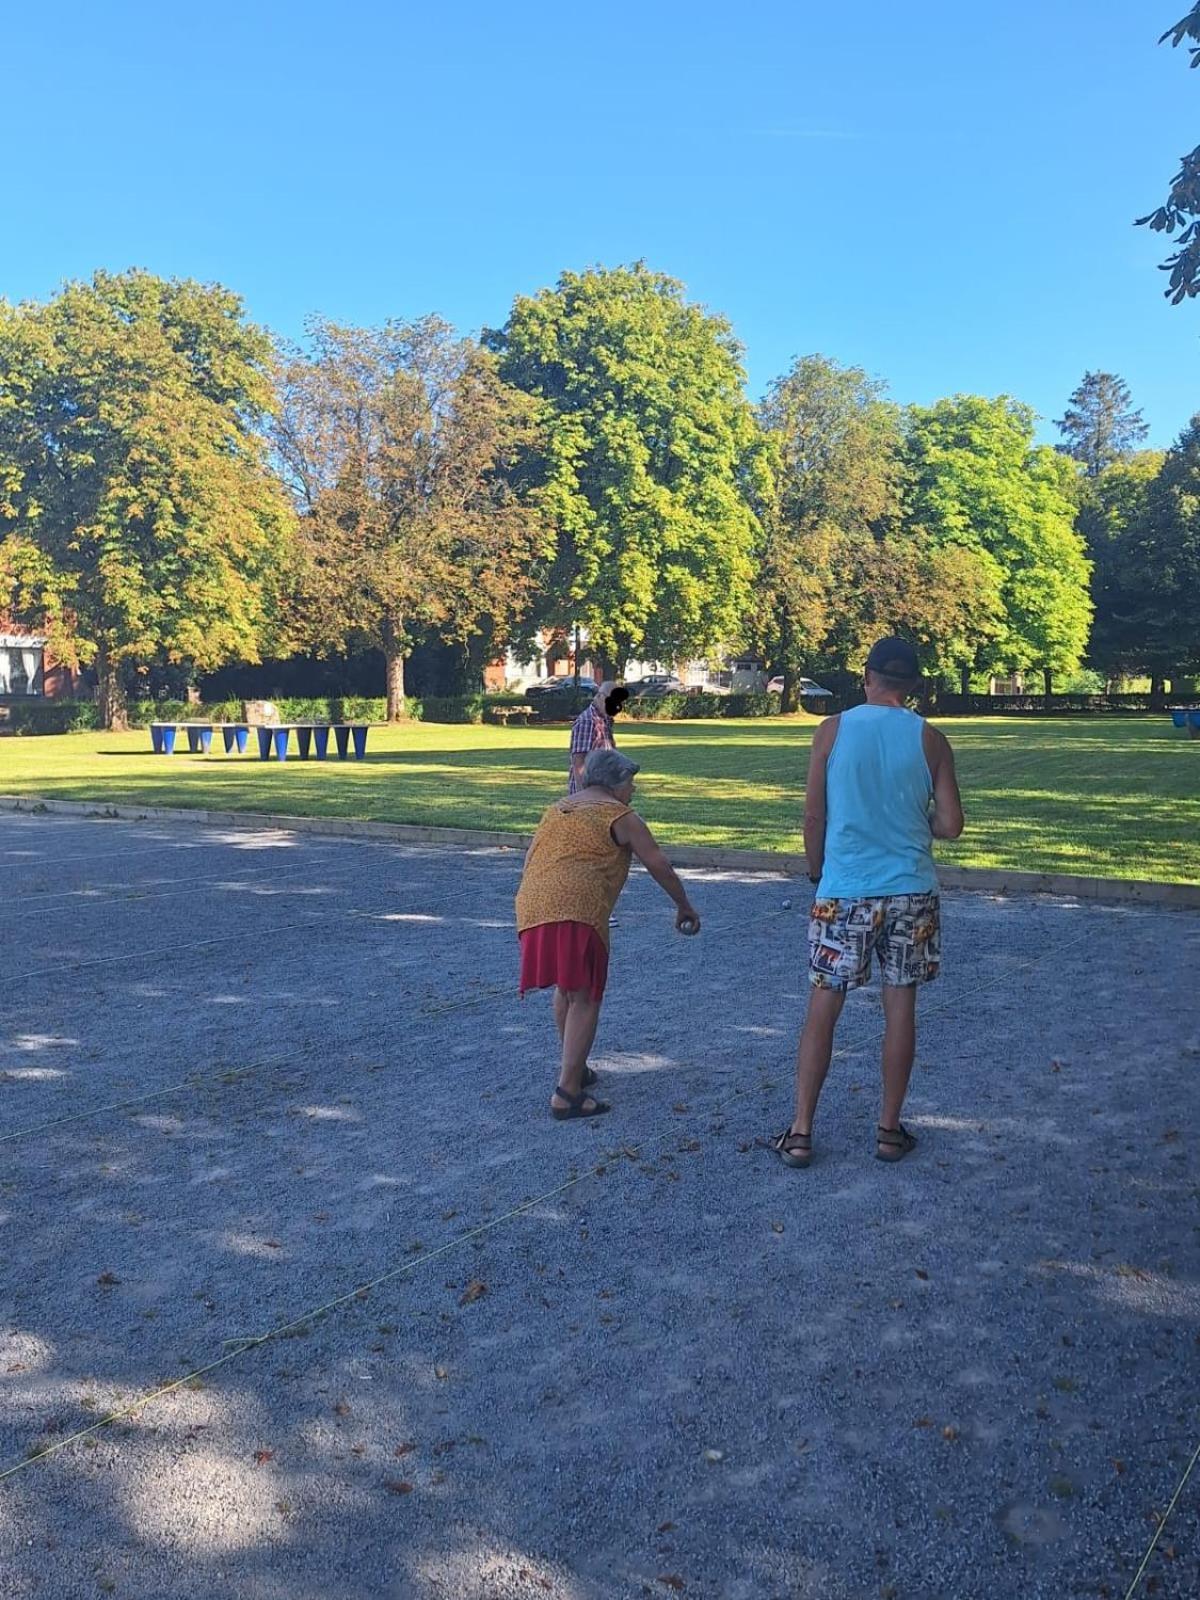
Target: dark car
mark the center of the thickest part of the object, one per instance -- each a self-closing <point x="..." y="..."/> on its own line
<point x="563" y="686"/>
<point x="656" y="683"/>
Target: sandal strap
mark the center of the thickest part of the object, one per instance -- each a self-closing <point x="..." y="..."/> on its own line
<point x="788" y="1138"/>
<point x="893" y="1136"/>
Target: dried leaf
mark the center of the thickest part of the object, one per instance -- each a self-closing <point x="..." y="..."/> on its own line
<point x="666" y="1527"/>
<point x="108" y="1280"/>
<point x="475" y="1290"/>
<point x="342" y="1408"/>
<point x="440" y="1373"/>
<point x="398" y="1486"/>
<point x="922" y="1274"/>
<point x="405" y="1449"/>
<point x="950" y="1434"/>
<point x="261" y="1457"/>
<point x="672" y="1580"/>
<point x="923" y="1422"/>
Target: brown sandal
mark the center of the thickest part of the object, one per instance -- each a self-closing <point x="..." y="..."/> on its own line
<point x="893" y="1144"/>
<point x="793" y="1149"/>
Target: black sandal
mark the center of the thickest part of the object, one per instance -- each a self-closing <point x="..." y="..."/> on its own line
<point x="897" y="1143"/>
<point x="590" y="1077"/>
<point x="793" y="1149"/>
<point x="577" y="1105"/>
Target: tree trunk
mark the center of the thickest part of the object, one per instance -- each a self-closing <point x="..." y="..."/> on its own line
<point x="964" y="682"/>
<point x="1048" y="676"/>
<point x="1158" y="692"/>
<point x="393" y="658"/>
<point x="790" y="699"/>
<point x="110" y="692"/>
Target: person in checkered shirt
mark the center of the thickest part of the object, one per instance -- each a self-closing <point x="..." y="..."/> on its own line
<point x="593" y="729"/>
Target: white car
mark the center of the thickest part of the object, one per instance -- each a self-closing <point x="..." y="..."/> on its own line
<point x="808" y="689"/>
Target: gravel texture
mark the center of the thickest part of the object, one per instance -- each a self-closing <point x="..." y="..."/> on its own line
<point x="291" y="1067"/>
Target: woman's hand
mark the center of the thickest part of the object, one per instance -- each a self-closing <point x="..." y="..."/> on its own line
<point x="687" y="919"/>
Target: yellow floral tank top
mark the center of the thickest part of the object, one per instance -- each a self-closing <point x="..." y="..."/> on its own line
<point x="575" y="870"/>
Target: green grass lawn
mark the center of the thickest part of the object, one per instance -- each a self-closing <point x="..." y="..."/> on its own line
<point x="1113" y="797"/>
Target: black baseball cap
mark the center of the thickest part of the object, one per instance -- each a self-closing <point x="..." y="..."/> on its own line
<point x="895" y="658"/>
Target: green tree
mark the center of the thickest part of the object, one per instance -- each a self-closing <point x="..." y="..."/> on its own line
<point x="978" y="481"/>
<point x="1181" y="210"/>
<point x="651" y="466"/>
<point x="1152" y="568"/>
<point x="836" y="447"/>
<point x="398" y="444"/>
<point x="138" y="517"/>
<point x="1113" y="508"/>
<point x="1100" y="425"/>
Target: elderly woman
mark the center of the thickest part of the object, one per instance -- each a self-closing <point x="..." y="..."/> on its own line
<point x="574" y="873"/>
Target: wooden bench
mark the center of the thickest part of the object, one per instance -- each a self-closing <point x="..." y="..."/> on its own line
<point x="505" y="714"/>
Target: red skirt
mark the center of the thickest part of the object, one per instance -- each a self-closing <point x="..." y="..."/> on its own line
<point x="566" y="955"/>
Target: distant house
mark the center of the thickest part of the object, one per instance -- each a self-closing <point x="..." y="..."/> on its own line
<point x="28" y="669"/>
<point x="553" y="656"/>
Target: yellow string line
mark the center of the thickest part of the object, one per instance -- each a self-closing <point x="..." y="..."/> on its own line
<point x="1159" y="1530"/>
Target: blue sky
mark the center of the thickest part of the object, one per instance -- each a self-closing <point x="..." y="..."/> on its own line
<point x="941" y="193"/>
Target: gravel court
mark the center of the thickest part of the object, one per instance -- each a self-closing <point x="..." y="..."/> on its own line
<point x="818" y="1331"/>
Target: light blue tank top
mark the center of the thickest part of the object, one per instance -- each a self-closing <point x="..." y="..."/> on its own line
<point x="878" y="789"/>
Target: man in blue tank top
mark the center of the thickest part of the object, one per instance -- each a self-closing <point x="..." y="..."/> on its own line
<point x="881" y="788"/>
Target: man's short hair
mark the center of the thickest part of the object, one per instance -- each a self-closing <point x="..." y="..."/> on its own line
<point x="895" y="661"/>
<point x="607" y="769"/>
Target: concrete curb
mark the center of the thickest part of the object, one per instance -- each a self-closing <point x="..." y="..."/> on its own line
<point x="983" y="880"/>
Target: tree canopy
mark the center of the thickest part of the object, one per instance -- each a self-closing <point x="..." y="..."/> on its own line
<point x="978" y="482"/>
<point x="138" y="517"/>
<point x="1181" y="209"/>
<point x="1100" y="424"/>
<point x="651" y="465"/>
<point x="397" y="444"/>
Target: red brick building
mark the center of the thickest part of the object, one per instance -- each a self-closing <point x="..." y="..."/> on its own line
<point x="29" y="670"/>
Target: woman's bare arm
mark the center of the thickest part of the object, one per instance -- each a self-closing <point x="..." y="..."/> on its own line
<point x="632" y="831"/>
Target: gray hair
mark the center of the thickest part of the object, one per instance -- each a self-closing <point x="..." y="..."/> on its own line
<point x="607" y="769"/>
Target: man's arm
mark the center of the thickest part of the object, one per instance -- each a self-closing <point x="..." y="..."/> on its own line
<point x="632" y="831"/>
<point x="581" y="744"/>
<point x="814" y="797"/>
<point x="947" y="820"/>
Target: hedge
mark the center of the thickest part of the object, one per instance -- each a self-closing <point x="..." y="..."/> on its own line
<point x="80" y="716"/>
<point x="672" y="707"/>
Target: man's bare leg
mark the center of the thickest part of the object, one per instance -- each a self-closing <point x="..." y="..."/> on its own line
<point x="899" y="1048"/>
<point x="815" y="1053"/>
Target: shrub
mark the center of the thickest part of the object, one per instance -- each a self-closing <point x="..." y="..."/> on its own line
<point x="53" y="716"/>
<point x="673" y="707"/>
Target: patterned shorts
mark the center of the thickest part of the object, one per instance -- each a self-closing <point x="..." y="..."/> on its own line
<point x="903" y="930"/>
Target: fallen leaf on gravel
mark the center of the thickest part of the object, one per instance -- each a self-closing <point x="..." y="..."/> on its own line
<point x="475" y="1290"/>
<point x="398" y="1486"/>
<point x="1056" y="1066"/>
<point x="272" y="1244"/>
<point x="923" y="1422"/>
<point x="405" y="1449"/>
<point x="896" y="1305"/>
<point x="1124" y="1270"/>
<point x="439" y="1373"/>
<point x="680" y="1106"/>
<point x="342" y="1409"/>
<point x="666" y="1527"/>
<point x="358" y="1449"/>
<point x="671" y="1580"/>
<point x="1118" y="1466"/>
<point x="261" y="1457"/>
<point x="106" y="1280"/>
<point x="1171" y="1135"/>
<point x="922" y="1274"/>
<point x="950" y="1434"/>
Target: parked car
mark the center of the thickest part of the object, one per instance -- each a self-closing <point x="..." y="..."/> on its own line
<point x="808" y="689"/>
<point x="656" y="683"/>
<point x="563" y="686"/>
